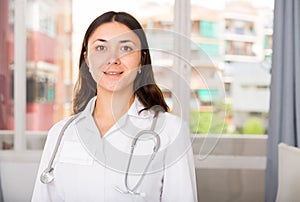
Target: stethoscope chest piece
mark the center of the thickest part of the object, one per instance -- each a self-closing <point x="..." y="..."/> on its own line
<point x="47" y="176"/>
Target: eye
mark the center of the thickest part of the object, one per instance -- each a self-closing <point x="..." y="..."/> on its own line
<point x="100" y="48"/>
<point x="126" y="48"/>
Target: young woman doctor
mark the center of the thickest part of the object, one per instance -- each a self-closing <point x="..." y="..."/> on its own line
<point x="121" y="144"/>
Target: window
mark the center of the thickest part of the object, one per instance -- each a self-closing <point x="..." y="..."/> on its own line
<point x="242" y="47"/>
<point x="211" y="49"/>
<point x="232" y="37"/>
<point x="6" y="72"/>
<point x="47" y="66"/>
<point x="208" y="29"/>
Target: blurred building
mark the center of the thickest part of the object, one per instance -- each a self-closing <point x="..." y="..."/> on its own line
<point x="205" y="43"/>
<point x="233" y="44"/>
<point x="48" y="62"/>
<point x="247" y="60"/>
<point x="6" y="45"/>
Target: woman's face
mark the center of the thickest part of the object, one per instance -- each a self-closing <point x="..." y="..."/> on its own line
<point x="113" y="56"/>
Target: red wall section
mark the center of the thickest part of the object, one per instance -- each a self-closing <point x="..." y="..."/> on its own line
<point x="39" y="116"/>
<point x="40" y="47"/>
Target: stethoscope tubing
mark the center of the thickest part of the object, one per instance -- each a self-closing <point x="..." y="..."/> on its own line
<point x="133" y="190"/>
<point x="46" y="177"/>
<point x="155" y="149"/>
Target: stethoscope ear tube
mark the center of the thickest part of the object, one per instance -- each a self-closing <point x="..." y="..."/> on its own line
<point x="155" y="150"/>
<point x="47" y="175"/>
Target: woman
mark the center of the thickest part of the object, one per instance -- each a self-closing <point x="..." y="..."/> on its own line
<point x="115" y="99"/>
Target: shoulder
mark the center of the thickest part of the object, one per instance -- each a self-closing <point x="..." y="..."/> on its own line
<point x="175" y="138"/>
<point x="172" y="116"/>
<point x="174" y="120"/>
<point x="57" y="127"/>
<point x="172" y="127"/>
<point x="59" y="124"/>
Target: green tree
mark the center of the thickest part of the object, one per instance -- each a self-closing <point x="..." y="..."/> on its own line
<point x="253" y="126"/>
<point x="207" y="122"/>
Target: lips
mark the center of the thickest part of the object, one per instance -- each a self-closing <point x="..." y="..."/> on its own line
<point x="113" y="73"/>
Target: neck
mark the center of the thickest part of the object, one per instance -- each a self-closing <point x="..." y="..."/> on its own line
<point x="112" y="105"/>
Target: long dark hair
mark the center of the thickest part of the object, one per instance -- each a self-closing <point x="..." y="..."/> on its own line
<point x="145" y="87"/>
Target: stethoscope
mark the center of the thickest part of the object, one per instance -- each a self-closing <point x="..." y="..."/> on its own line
<point x="133" y="190"/>
<point x="47" y="175"/>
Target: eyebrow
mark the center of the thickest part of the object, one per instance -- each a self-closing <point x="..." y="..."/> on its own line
<point x="122" y="41"/>
<point x="125" y="41"/>
<point x="102" y="40"/>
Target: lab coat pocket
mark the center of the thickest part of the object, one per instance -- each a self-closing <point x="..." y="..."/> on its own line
<point x="74" y="153"/>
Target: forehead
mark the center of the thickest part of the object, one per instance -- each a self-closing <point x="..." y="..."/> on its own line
<point x="113" y="30"/>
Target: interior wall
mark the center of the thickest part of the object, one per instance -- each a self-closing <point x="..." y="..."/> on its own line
<point x="17" y="180"/>
<point x="216" y="185"/>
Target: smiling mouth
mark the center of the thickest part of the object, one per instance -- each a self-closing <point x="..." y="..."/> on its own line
<point x="113" y="73"/>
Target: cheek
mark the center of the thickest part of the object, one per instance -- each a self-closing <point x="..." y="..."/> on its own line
<point x="132" y="61"/>
<point x="96" y="67"/>
<point x="95" y="61"/>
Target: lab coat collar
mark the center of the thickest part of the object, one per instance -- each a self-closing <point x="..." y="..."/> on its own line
<point x="86" y="121"/>
<point x="134" y="109"/>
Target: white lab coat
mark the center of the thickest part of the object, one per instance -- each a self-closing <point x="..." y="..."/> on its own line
<point x="88" y="168"/>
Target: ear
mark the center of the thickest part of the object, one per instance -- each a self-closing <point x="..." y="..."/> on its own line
<point x="85" y="59"/>
<point x="143" y="59"/>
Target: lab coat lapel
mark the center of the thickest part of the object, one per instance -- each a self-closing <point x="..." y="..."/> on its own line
<point x="88" y="132"/>
<point x="86" y="129"/>
<point x="136" y="121"/>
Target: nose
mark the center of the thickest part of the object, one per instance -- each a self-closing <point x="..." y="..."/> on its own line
<point x="114" y="61"/>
